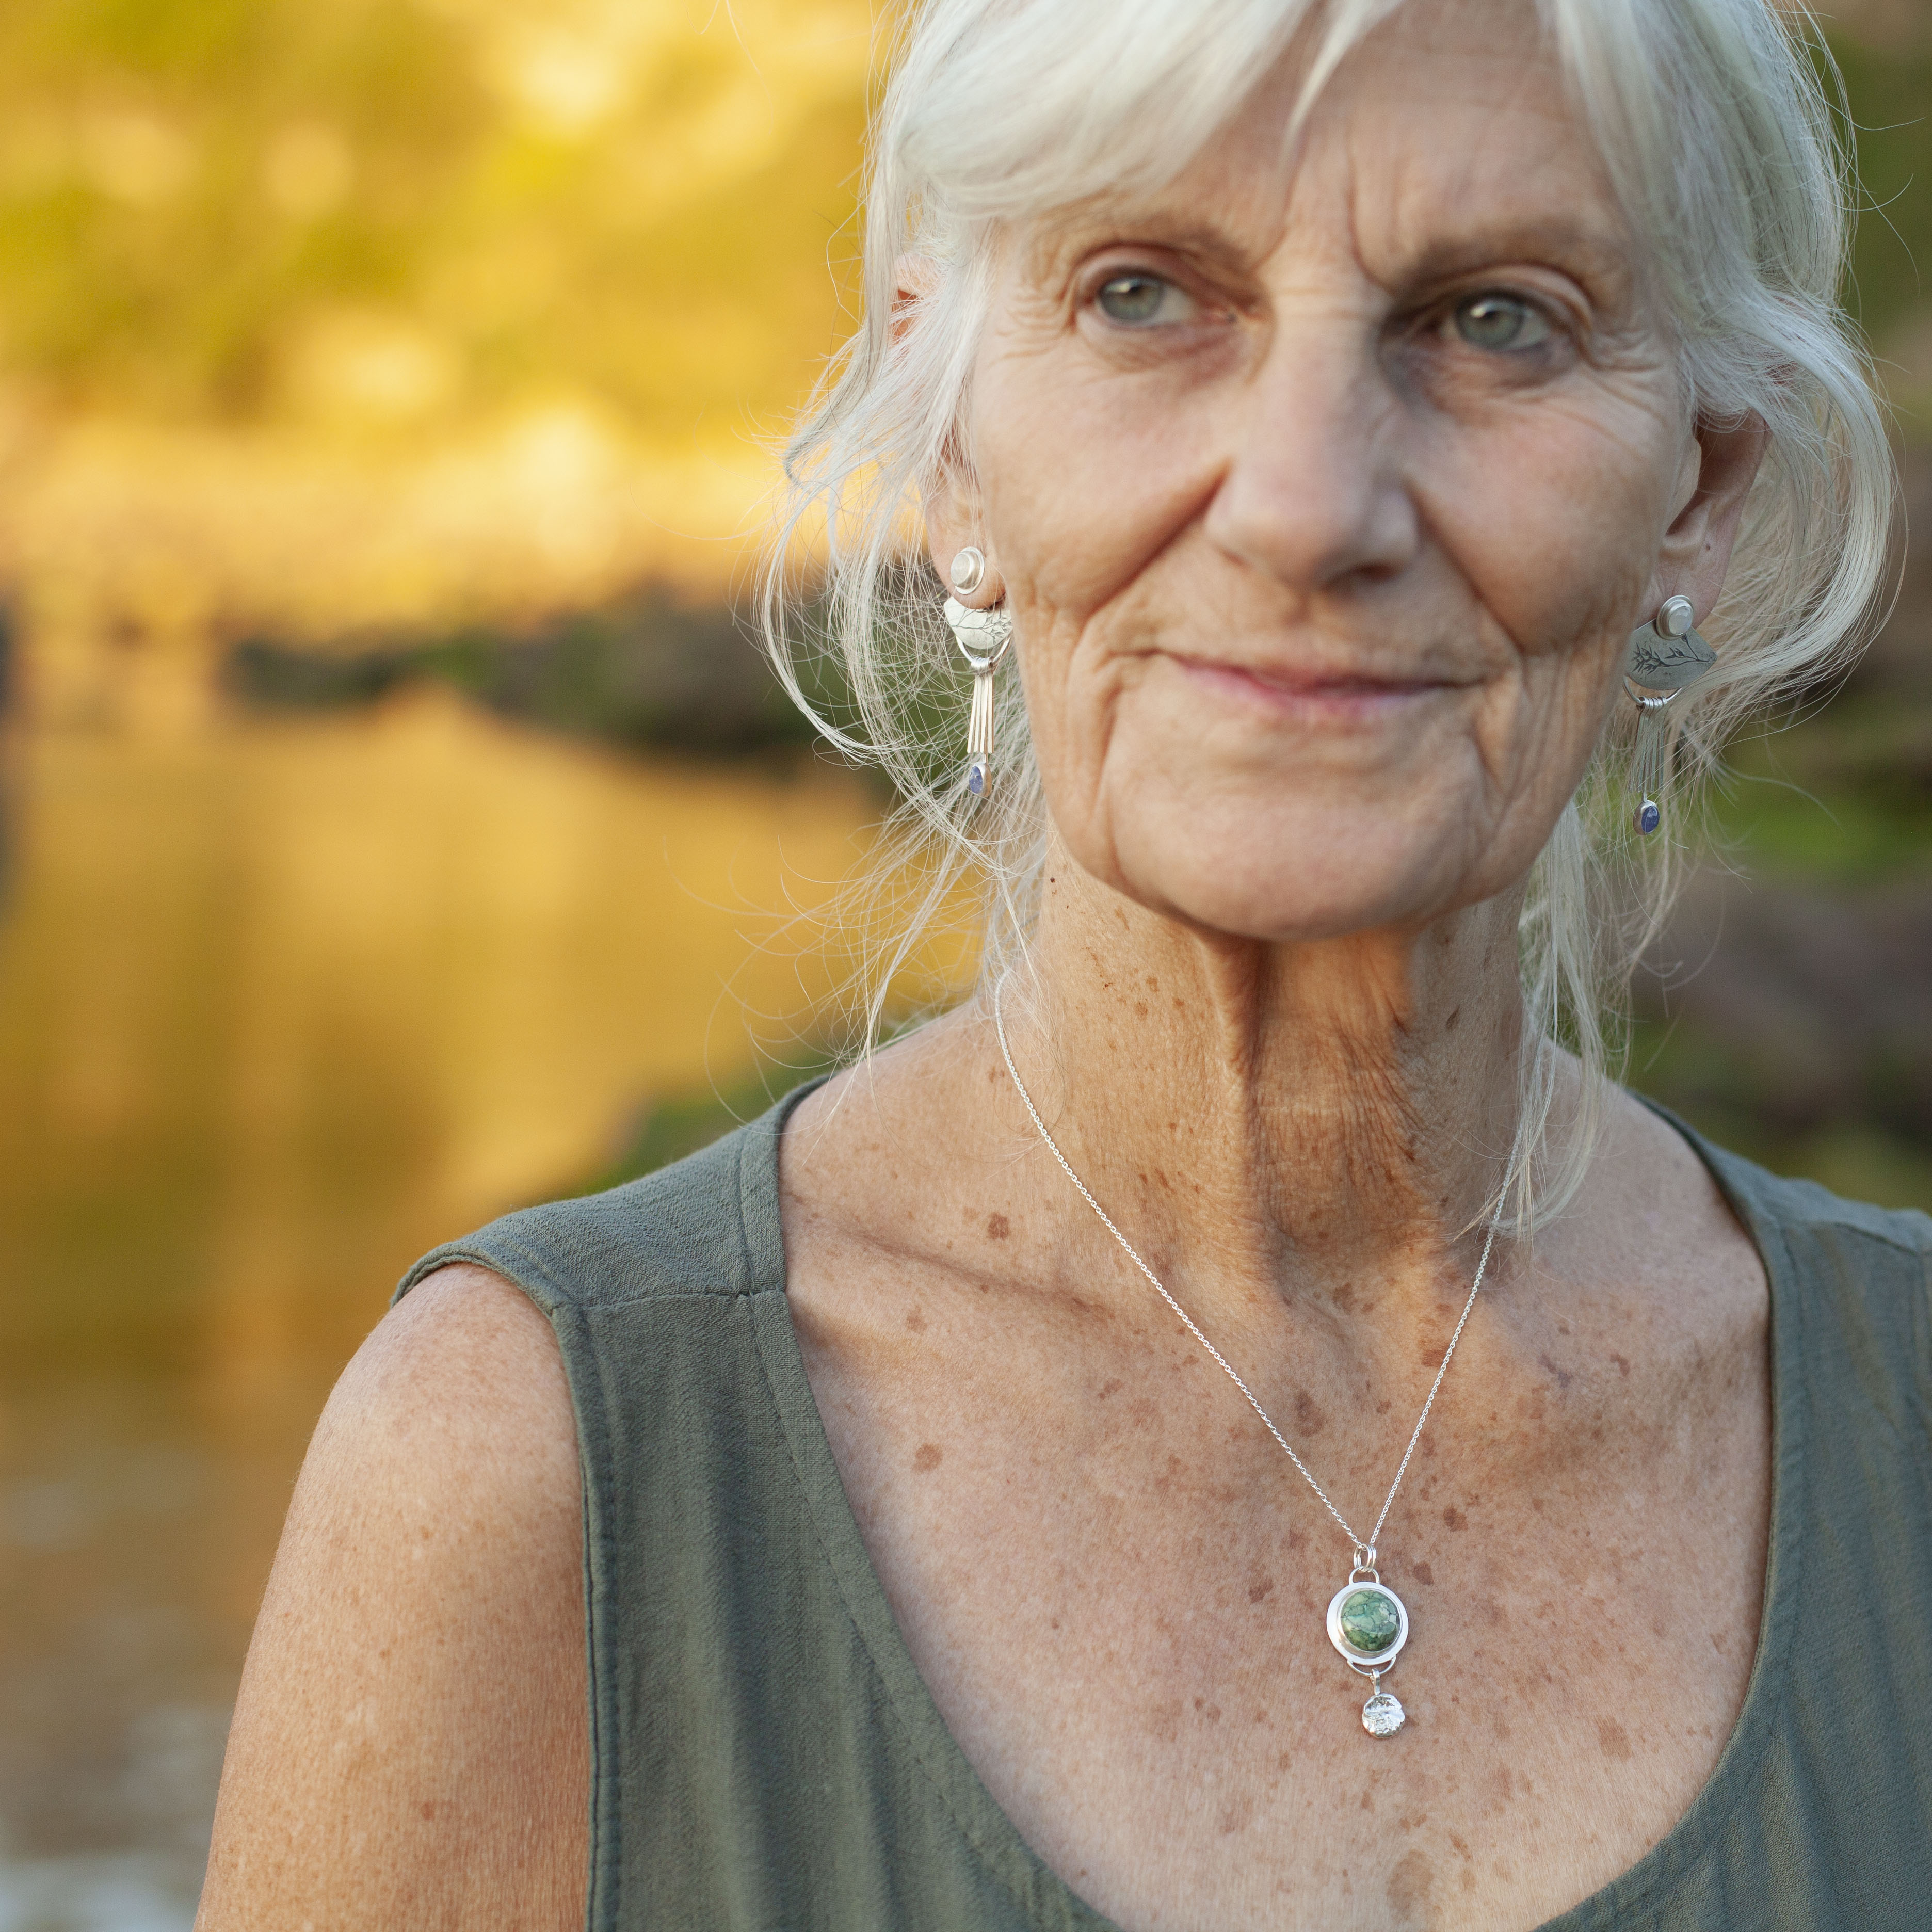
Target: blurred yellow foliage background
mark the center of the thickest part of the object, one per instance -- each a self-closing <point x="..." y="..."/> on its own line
<point x="315" y="320"/>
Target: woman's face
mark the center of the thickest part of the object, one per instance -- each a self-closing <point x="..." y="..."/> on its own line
<point x="1326" y="492"/>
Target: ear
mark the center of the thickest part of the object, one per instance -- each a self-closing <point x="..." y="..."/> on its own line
<point x="1719" y="471"/>
<point x="951" y="508"/>
<point x="914" y="278"/>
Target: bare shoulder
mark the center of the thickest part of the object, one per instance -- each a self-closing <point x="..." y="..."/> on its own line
<point x="879" y="1138"/>
<point x="1655" y="1211"/>
<point x="411" y="1744"/>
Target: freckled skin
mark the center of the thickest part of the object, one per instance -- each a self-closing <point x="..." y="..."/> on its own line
<point x="1319" y="610"/>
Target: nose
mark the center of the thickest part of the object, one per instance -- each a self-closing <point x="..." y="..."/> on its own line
<point x="1313" y="493"/>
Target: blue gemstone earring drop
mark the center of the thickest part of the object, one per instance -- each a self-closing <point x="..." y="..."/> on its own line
<point x="983" y="638"/>
<point x="1665" y="658"/>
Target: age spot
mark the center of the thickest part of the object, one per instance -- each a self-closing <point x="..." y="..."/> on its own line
<point x="916" y="1322"/>
<point x="1234" y="1817"/>
<point x="1409" y="1886"/>
<point x="927" y="1458"/>
<point x="998" y="1227"/>
<point x="1613" y="1738"/>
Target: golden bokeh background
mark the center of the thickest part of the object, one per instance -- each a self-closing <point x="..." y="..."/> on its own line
<point x="397" y="824"/>
<point x="397" y="312"/>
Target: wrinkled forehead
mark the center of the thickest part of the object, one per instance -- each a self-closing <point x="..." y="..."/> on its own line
<point x="1442" y="142"/>
<point x="1121" y="96"/>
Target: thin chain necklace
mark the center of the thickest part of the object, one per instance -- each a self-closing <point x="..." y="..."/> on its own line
<point x="1368" y="1623"/>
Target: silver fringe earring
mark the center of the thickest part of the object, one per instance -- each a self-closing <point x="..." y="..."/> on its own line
<point x="983" y="638"/>
<point x="1666" y="657"/>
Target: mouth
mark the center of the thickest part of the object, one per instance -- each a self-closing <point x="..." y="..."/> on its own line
<point x="1312" y="692"/>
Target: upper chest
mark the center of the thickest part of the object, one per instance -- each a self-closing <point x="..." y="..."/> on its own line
<point x="1114" y="1585"/>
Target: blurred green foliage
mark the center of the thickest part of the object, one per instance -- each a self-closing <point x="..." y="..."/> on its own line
<point x="1890" y="92"/>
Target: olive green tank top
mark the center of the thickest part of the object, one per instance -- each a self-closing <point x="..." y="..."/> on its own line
<point x="766" y="1758"/>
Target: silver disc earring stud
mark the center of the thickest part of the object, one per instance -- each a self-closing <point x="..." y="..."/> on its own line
<point x="969" y="571"/>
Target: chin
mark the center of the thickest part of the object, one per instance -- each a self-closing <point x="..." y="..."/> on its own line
<point x="1283" y="920"/>
<point x="1284" y="877"/>
<point x="1321" y="897"/>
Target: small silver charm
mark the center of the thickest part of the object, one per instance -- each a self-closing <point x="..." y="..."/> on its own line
<point x="1382" y="1715"/>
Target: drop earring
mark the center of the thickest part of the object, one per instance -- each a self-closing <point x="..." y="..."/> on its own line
<point x="1665" y="658"/>
<point x="983" y="638"/>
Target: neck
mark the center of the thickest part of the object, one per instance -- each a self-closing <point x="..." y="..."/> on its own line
<point x="1289" y="1117"/>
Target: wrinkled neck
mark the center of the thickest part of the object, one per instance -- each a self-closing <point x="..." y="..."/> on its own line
<point x="1261" y="1111"/>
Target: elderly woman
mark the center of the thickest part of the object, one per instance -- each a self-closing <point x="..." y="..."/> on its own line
<point x="1241" y="1423"/>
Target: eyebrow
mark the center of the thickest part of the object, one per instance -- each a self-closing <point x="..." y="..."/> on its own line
<point x="1063" y="240"/>
<point x="1591" y="250"/>
<point x="1561" y="241"/>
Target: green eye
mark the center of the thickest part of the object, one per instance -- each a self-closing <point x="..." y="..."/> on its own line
<point x="1137" y="298"/>
<point x="1499" y="322"/>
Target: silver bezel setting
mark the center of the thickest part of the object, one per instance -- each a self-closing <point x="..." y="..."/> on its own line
<point x="1377" y="1660"/>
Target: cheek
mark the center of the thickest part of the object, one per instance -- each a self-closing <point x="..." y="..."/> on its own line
<point x="1556" y="521"/>
<point x="1088" y="476"/>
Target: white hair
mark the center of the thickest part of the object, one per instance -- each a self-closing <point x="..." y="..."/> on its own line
<point x="1728" y="157"/>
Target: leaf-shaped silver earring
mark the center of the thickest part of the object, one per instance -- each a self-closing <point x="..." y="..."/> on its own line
<point x="1665" y="658"/>
<point x="983" y="638"/>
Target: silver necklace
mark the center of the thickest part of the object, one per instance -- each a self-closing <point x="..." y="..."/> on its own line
<point x="1368" y="1623"/>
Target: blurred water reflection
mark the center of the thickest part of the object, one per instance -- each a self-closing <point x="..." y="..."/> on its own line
<point x="280" y="1006"/>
